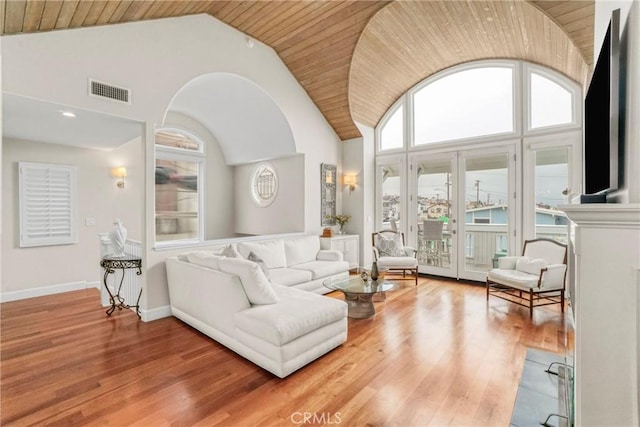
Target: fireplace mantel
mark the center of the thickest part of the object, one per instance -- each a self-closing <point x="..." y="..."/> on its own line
<point x="606" y="270"/>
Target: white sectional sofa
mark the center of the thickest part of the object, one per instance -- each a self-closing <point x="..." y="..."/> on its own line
<point x="279" y="323"/>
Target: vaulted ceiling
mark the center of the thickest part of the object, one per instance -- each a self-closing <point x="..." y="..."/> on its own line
<point x="354" y="58"/>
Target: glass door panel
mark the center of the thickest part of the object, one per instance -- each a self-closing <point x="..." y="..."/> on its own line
<point x="486" y="224"/>
<point x="435" y="218"/>
<point x="391" y="206"/>
<point x="551" y="189"/>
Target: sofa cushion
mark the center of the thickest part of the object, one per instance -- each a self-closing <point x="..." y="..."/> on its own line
<point x="513" y="278"/>
<point x="530" y="265"/>
<point x="204" y="259"/>
<point x="254" y="282"/>
<point x="321" y="269"/>
<point x="301" y="250"/>
<point x="271" y="252"/>
<point x="296" y="314"/>
<point x="289" y="276"/>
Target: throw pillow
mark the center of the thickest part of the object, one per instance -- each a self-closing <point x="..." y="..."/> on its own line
<point x="530" y="265"/>
<point x="390" y="246"/>
<point x="254" y="282"/>
<point x="271" y="252"/>
<point x="204" y="259"/>
<point x="230" y="252"/>
<point x="255" y="258"/>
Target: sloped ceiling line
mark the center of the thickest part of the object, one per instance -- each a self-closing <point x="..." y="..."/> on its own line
<point x="318" y="40"/>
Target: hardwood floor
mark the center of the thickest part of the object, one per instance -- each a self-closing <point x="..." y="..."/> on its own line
<point x="433" y="355"/>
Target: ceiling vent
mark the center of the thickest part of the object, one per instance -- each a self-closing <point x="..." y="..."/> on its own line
<point x="105" y="90"/>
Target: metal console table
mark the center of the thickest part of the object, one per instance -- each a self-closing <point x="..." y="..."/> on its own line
<point x="110" y="265"/>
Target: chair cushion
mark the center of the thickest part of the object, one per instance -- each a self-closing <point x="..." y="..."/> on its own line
<point x="254" y="282"/>
<point x="289" y="276"/>
<point x="296" y="314"/>
<point x="530" y="265"/>
<point x="321" y="269"/>
<point x="397" y="262"/>
<point x="514" y="278"/>
<point x="390" y="246"/>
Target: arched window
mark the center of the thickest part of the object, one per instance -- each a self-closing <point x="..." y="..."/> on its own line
<point x="392" y="132"/>
<point x="490" y="148"/>
<point x="464" y="104"/>
<point x="550" y="102"/>
<point x="483" y="99"/>
<point x="180" y="165"/>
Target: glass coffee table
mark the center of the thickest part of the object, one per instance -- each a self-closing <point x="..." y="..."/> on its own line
<point x="359" y="294"/>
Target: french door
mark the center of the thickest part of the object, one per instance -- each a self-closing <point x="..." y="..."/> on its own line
<point x="465" y="209"/>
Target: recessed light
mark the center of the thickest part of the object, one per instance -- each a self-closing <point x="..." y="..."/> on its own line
<point x="68" y="113"/>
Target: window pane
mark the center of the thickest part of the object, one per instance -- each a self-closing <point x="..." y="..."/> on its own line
<point x="552" y="179"/>
<point x="176" y="200"/>
<point x="434" y="204"/>
<point x="550" y="103"/>
<point x="390" y="175"/>
<point x="486" y="210"/>
<point x="391" y="135"/>
<point x="466" y="104"/>
<point x="176" y="140"/>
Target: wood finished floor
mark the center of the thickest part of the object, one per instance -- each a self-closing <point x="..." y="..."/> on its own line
<point x="434" y="355"/>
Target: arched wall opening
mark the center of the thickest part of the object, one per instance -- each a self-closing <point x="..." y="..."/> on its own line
<point x="240" y="127"/>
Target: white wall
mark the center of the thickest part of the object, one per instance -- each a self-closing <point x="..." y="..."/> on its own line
<point x="155" y="59"/>
<point x="98" y="197"/>
<point x="358" y="156"/>
<point x="285" y="214"/>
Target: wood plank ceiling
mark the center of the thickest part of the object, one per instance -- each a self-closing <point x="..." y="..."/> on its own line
<point x="315" y="39"/>
<point x="389" y="60"/>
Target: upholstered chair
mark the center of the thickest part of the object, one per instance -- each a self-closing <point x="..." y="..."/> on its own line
<point x="534" y="279"/>
<point x="391" y="254"/>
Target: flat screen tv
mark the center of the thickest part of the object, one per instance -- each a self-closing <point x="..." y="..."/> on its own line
<point x="601" y="117"/>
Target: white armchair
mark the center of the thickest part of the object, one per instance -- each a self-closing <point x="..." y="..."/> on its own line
<point x="392" y="255"/>
<point x="534" y="279"/>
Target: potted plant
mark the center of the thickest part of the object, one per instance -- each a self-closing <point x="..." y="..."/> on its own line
<point x="341" y="220"/>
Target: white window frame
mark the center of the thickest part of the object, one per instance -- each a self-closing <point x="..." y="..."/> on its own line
<point x="28" y="237"/>
<point x="516" y="102"/>
<point x="562" y="81"/>
<point x="401" y="102"/>
<point x="572" y="140"/>
<point x="397" y="159"/>
<point x="184" y="155"/>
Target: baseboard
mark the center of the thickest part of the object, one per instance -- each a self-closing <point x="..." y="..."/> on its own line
<point x="47" y="290"/>
<point x="155" y="313"/>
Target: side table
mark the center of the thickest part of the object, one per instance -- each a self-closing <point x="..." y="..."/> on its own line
<point x="110" y="265"/>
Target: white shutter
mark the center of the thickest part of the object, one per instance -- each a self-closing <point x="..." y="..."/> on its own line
<point x="47" y="204"/>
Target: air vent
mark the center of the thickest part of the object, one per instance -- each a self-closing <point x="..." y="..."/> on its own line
<point x="105" y="90"/>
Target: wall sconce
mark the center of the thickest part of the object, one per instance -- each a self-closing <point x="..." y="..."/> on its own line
<point x="351" y="181"/>
<point x="120" y="172"/>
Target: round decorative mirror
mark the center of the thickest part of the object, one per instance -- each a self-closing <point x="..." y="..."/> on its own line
<point x="264" y="185"/>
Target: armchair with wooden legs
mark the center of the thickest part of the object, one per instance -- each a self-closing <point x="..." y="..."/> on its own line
<point x="534" y="279"/>
<point x="391" y="254"/>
